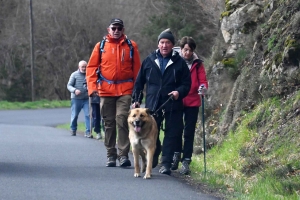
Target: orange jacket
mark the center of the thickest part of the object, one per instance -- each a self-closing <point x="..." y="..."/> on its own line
<point x="116" y="65"/>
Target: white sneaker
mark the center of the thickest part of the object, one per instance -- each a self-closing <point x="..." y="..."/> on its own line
<point x="88" y="135"/>
<point x="98" y="137"/>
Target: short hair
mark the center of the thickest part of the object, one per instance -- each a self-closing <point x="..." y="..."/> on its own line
<point x="187" y="40"/>
<point x="83" y="62"/>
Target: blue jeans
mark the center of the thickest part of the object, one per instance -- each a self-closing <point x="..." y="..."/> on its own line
<point x="76" y="106"/>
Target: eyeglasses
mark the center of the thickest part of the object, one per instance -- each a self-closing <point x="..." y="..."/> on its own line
<point x="114" y="28"/>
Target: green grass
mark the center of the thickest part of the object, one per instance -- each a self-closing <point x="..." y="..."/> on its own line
<point x="5" y="105"/>
<point x="80" y="127"/>
<point x="243" y="168"/>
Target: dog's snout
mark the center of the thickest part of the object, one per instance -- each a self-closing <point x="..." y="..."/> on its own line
<point x="137" y="122"/>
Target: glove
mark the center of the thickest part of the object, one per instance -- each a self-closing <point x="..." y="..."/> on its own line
<point x="202" y="90"/>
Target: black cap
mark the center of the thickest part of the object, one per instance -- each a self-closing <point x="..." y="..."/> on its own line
<point x="166" y="34"/>
<point x="116" y="21"/>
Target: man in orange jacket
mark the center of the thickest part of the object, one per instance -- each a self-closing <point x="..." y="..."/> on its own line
<point x="111" y="73"/>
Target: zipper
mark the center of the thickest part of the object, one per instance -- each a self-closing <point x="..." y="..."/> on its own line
<point x="117" y="65"/>
<point x="123" y="56"/>
<point x="174" y="75"/>
<point x="157" y="96"/>
<point x="148" y="78"/>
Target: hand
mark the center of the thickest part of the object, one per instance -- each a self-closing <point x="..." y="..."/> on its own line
<point x="202" y="90"/>
<point x="77" y="92"/>
<point x="135" y="105"/>
<point x="175" y="94"/>
<point x="94" y="94"/>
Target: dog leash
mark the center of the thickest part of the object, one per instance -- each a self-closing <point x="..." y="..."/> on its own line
<point x="170" y="98"/>
<point x="163" y="113"/>
<point x="155" y="113"/>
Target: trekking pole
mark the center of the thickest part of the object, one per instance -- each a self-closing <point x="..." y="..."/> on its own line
<point x="202" y="91"/>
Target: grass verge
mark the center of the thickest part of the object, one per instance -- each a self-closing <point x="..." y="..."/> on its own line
<point x="5" y="105"/>
<point x="260" y="159"/>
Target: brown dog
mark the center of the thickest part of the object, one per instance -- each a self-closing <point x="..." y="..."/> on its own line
<point x="142" y="135"/>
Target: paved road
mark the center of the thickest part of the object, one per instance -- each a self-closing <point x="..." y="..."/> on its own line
<point x="39" y="161"/>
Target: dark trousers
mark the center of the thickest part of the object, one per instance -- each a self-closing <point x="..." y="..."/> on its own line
<point x="173" y="127"/>
<point x="190" y="115"/>
<point x="97" y="120"/>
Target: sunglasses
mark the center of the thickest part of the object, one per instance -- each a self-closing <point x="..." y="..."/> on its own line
<point x="114" y="28"/>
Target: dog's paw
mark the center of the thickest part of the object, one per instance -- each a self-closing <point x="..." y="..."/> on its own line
<point x="136" y="175"/>
<point x="147" y="176"/>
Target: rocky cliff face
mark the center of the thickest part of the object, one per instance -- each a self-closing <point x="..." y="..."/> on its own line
<point x="256" y="57"/>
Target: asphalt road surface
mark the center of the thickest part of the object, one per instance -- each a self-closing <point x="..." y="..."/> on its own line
<point x="39" y="161"/>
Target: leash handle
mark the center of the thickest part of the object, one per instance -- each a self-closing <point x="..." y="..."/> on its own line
<point x="136" y="105"/>
<point x="137" y="100"/>
<point x="171" y="97"/>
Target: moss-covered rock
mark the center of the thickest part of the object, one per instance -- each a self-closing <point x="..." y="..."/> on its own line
<point x="225" y="14"/>
<point x="278" y="59"/>
<point x="229" y="62"/>
<point x="289" y="42"/>
<point x="228" y="5"/>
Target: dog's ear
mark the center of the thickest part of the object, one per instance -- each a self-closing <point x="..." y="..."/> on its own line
<point x="149" y="112"/>
<point x="129" y="112"/>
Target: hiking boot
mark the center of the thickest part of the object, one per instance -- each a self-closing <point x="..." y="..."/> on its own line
<point x="176" y="160"/>
<point x="185" y="169"/>
<point x="111" y="162"/>
<point x="165" y="170"/>
<point x="98" y="137"/>
<point x="88" y="135"/>
<point x="124" y="162"/>
<point x="73" y="133"/>
<point x="155" y="161"/>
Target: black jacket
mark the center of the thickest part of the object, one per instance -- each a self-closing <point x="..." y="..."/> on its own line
<point x="175" y="78"/>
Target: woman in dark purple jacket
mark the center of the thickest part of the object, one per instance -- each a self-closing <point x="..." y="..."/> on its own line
<point x="191" y="104"/>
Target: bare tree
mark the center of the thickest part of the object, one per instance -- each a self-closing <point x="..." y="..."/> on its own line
<point x="65" y="33"/>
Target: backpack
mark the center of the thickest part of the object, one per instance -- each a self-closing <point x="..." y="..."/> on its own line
<point x="100" y="77"/>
